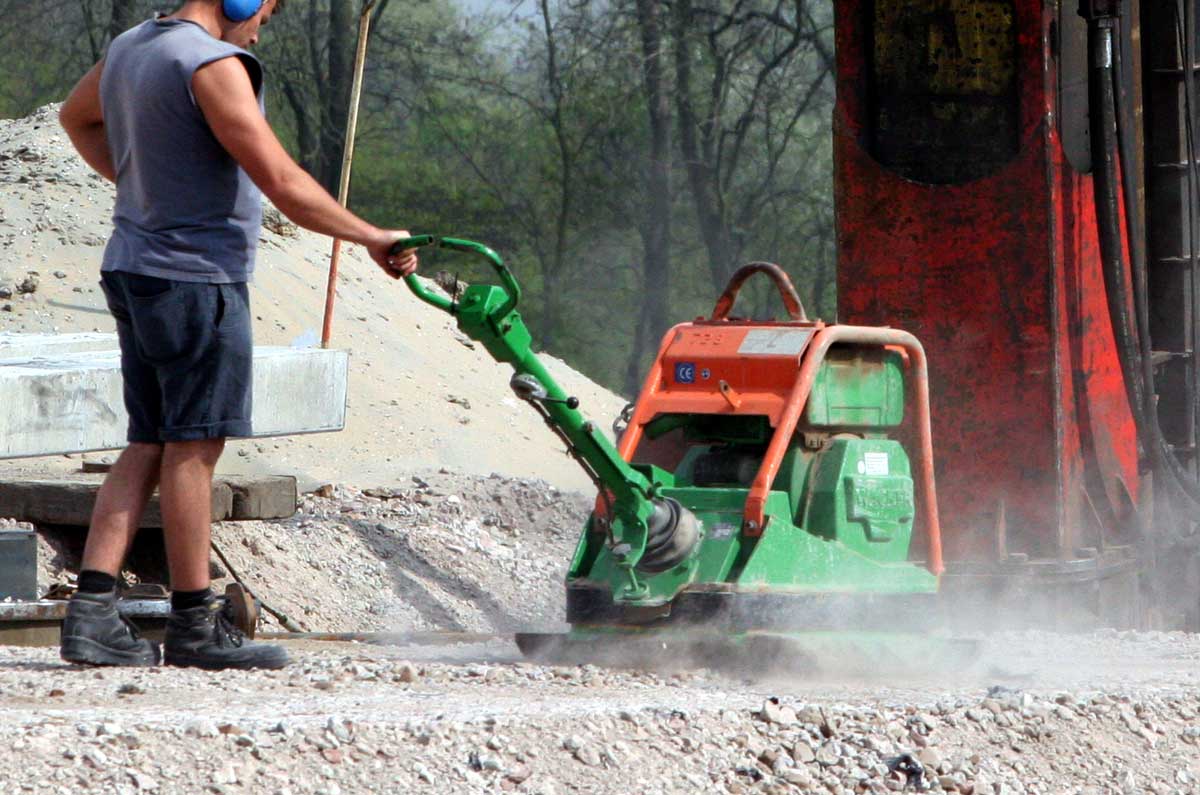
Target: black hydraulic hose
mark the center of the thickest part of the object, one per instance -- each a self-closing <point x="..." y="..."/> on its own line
<point x="1134" y="219"/>
<point x="1162" y="458"/>
<point x="1134" y="216"/>
<point x="1134" y="355"/>
<point x="1102" y="119"/>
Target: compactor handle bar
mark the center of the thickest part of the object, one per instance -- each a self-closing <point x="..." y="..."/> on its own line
<point x="471" y="247"/>
<point x="791" y="301"/>
<point x="508" y="341"/>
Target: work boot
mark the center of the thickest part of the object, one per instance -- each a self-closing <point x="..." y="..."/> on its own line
<point x="94" y="633"/>
<point x="205" y="637"/>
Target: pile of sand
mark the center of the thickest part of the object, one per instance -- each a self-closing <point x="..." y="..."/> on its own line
<point x="422" y="397"/>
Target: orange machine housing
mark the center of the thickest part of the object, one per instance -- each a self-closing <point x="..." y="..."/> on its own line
<point x="729" y="366"/>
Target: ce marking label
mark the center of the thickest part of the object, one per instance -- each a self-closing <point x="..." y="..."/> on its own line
<point x="685" y="372"/>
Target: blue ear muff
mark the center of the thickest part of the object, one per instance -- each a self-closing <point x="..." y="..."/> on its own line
<point x="240" y="10"/>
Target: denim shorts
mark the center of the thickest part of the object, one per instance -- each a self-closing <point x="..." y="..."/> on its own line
<point x="186" y="356"/>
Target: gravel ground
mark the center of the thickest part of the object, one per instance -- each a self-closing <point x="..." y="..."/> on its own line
<point x="1031" y="712"/>
<point x="1039" y="713"/>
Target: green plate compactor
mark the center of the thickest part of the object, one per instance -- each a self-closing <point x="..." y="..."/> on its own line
<point x="756" y="508"/>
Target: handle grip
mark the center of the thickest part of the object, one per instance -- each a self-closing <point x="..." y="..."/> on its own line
<point x="416" y="241"/>
<point x="508" y="281"/>
<point x="783" y="284"/>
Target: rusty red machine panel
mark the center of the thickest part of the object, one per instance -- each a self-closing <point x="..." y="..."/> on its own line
<point x="965" y="215"/>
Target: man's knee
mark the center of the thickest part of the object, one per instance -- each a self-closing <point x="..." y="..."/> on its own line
<point x="204" y="450"/>
<point x="144" y="451"/>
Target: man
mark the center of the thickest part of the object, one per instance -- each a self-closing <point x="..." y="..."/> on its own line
<point x="174" y="116"/>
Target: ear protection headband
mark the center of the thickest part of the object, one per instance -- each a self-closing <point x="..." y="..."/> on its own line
<point x="241" y="10"/>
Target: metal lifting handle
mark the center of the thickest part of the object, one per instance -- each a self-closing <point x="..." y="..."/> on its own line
<point x="791" y="301"/>
<point x="471" y="247"/>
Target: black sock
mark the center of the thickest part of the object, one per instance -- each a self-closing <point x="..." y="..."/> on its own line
<point x="184" y="600"/>
<point x="97" y="582"/>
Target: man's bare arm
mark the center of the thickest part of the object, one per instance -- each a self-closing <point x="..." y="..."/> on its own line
<point x="83" y="122"/>
<point x="226" y="97"/>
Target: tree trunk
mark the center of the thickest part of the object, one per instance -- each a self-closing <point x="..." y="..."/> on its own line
<point x="821" y="280"/>
<point x="551" y="314"/>
<point x="633" y="367"/>
<point x="95" y="34"/>
<point x="307" y="138"/>
<point x="655" y="229"/>
<point x="697" y="158"/>
<point x="124" y="16"/>
<point x="343" y="25"/>
<point x="554" y="269"/>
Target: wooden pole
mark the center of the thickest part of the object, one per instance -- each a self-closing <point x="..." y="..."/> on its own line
<point x="360" y="60"/>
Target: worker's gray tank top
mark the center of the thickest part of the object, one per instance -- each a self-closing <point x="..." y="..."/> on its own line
<point x="185" y="210"/>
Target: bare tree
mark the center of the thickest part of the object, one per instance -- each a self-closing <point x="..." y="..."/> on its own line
<point x="68" y="37"/>
<point x="747" y="74"/>
<point x="528" y="137"/>
<point x="334" y="90"/>
<point x="655" y="227"/>
<point x="125" y="14"/>
<point x="312" y="62"/>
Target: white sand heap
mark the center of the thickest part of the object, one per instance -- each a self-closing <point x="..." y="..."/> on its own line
<point x="421" y="398"/>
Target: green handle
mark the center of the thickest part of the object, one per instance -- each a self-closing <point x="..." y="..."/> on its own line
<point x="511" y="288"/>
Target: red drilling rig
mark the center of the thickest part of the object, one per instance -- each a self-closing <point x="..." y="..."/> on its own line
<point x="1016" y="184"/>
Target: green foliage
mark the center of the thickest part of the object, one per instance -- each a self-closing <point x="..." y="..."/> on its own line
<point x="46" y="46"/>
<point x="530" y="132"/>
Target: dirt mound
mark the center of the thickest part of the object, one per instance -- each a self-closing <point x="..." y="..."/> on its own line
<point x="447" y="552"/>
<point x="422" y="396"/>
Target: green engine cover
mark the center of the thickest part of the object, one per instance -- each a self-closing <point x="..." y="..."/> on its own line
<point x="862" y="496"/>
<point x="857" y="388"/>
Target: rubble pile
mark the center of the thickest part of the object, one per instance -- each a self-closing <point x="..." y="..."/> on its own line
<point x="451" y="552"/>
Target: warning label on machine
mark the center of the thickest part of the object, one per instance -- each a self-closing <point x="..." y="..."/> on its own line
<point x="775" y="342"/>
<point x="875" y="464"/>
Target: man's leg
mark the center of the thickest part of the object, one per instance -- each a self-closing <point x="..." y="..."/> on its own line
<point x="185" y="490"/>
<point x="202" y="340"/>
<point x="94" y="632"/>
<point x="119" y="505"/>
<point x="199" y="634"/>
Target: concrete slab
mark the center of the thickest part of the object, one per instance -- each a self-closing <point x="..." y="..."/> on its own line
<point x="27" y="346"/>
<point x="72" y="403"/>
